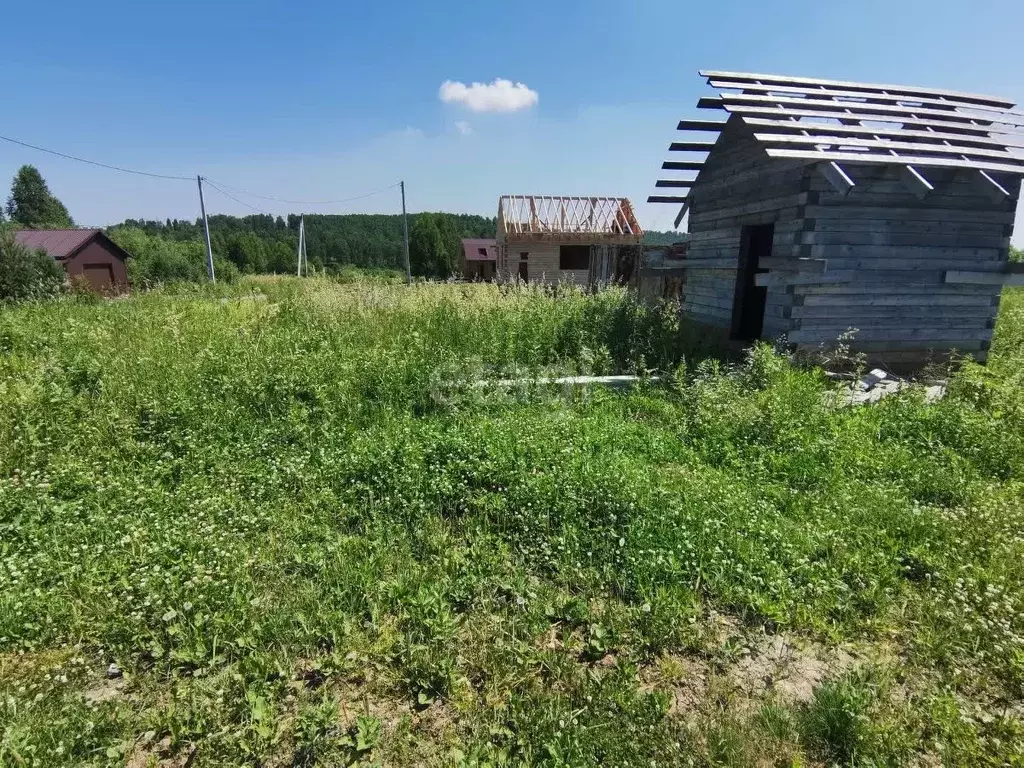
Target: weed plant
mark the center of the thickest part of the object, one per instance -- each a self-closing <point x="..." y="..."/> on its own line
<point x="289" y="514"/>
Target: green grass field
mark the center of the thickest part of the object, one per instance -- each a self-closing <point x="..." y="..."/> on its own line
<point x="279" y="510"/>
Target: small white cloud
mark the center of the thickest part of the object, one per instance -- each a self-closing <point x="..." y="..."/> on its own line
<point x="463" y="127"/>
<point x="412" y="132"/>
<point x="499" y="96"/>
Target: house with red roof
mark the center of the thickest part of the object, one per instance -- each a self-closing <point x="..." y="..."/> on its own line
<point x="86" y="254"/>
<point x="479" y="258"/>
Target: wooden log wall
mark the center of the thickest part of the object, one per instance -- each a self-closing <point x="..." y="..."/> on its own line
<point x="739" y="186"/>
<point x="876" y="257"/>
<point x="886" y="252"/>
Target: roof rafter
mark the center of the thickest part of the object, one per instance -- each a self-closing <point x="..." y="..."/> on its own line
<point x="550" y="217"/>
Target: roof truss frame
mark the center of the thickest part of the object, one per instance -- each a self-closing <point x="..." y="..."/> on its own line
<point x="523" y="218"/>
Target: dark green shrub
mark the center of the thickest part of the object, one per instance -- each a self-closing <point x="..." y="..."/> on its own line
<point x="27" y="274"/>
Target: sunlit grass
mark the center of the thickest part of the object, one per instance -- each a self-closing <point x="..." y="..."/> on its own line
<point x="276" y="508"/>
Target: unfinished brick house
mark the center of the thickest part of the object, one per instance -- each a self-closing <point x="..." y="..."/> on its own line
<point x="564" y="239"/>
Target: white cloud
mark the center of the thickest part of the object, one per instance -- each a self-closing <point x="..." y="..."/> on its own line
<point x="499" y="96"/>
<point x="412" y="132"/>
<point x="463" y="127"/>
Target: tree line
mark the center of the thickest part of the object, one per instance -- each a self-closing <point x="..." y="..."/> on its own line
<point x="268" y="244"/>
<point x="174" y="250"/>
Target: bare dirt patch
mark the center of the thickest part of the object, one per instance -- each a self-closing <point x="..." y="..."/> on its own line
<point x="743" y="671"/>
<point x="104" y="690"/>
<point x="789" y="669"/>
<point x="148" y="752"/>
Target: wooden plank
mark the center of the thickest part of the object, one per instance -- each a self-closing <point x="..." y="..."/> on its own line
<point x="811" y="266"/>
<point x="914" y="214"/>
<point x="908" y="311"/>
<point x="691" y="146"/>
<point x="839" y="179"/>
<point x="887" y="144"/>
<point x="984" y="278"/>
<point x="863" y="195"/>
<point x="897" y="239"/>
<point x="725" y="295"/>
<point x="903" y="225"/>
<point x="787" y="112"/>
<point x="863" y="96"/>
<point x="682" y="165"/>
<point x="1015" y="166"/>
<point x="711" y="273"/>
<point x="713" y="302"/>
<point x="863" y="277"/>
<point x="919" y="186"/>
<point x="723" y="262"/>
<point x="927" y="300"/>
<point x="992" y="258"/>
<point x="890" y="288"/>
<point x="890" y="189"/>
<point x="711" y="193"/>
<point x="674" y="183"/>
<point x="700" y="125"/>
<point x="833" y="130"/>
<point x="894" y="346"/>
<point x="946" y="336"/>
<point x="719" y="313"/>
<point x="714" y="322"/>
<point x="970" y="98"/>
<point x="751" y="177"/>
<point x="764" y="217"/>
<point x="663" y="272"/>
<point x="666" y="199"/>
<point x="730" y="234"/>
<point x="997" y="192"/>
<point x="769" y="204"/>
<point x="679" y="216"/>
<point x="854" y="110"/>
<point x="888" y="264"/>
<point x="899" y="328"/>
<point x="710" y="102"/>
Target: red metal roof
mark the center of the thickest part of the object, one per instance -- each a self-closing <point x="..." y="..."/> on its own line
<point x="58" y="243"/>
<point x="477" y="249"/>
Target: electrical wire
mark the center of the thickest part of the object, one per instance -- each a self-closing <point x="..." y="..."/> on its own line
<point x="93" y="162"/>
<point x="232" y="197"/>
<point x="219" y="186"/>
<point x="305" y="202"/>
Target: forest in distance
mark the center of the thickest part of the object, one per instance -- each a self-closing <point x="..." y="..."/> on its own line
<point x="263" y="243"/>
<point x="173" y="250"/>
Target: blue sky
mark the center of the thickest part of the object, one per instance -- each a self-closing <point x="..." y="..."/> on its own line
<point x="327" y="100"/>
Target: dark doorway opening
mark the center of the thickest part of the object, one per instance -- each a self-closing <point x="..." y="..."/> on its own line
<point x="749" y="300"/>
<point x="524" y="267"/>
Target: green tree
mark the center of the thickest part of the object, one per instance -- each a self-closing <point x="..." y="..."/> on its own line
<point x="426" y="246"/>
<point x="25" y="273"/>
<point x="31" y="203"/>
<point x="434" y="245"/>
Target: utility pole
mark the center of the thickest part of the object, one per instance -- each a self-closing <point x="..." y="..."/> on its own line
<point x="206" y="233"/>
<point x="305" y="256"/>
<point x="302" y="244"/>
<point x="405" y="225"/>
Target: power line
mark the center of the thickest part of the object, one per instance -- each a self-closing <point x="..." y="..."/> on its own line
<point x="305" y="202"/>
<point x="93" y="162"/>
<point x="217" y="185"/>
<point x="240" y="202"/>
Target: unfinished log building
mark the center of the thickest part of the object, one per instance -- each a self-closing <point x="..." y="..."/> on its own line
<point x="824" y="206"/>
<point x="566" y="239"/>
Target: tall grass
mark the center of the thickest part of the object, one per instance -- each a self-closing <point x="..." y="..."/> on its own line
<point x="275" y="502"/>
